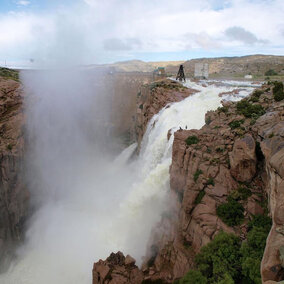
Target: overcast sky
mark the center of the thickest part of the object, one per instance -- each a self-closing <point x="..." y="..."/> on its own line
<point x="103" y="31"/>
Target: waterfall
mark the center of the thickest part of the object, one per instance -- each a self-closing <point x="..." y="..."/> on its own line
<point x="109" y="207"/>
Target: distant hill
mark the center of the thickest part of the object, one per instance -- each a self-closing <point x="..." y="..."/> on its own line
<point x="220" y="67"/>
<point x="141" y="66"/>
<point x="255" y="65"/>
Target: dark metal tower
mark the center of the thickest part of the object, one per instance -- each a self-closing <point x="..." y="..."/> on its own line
<point x="180" y="74"/>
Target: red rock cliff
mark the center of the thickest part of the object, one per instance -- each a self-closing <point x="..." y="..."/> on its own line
<point x="13" y="193"/>
<point x="230" y="151"/>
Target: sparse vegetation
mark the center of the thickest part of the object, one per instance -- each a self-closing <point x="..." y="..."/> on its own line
<point x="199" y="197"/>
<point x="210" y="181"/>
<point x="270" y="72"/>
<point x="278" y="93"/>
<point x="231" y="213"/>
<point x="250" y="110"/>
<point x="197" y="174"/>
<point x="9" y="74"/>
<point x="242" y="193"/>
<point x="236" y="123"/>
<point x="223" y="109"/>
<point x="256" y="95"/>
<point x="220" y="150"/>
<point x="192" y="140"/>
<point x="9" y="147"/>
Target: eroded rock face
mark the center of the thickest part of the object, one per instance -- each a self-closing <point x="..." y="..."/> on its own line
<point x="203" y="175"/>
<point x="117" y="269"/>
<point x="153" y="98"/>
<point x="271" y="131"/>
<point x="13" y="192"/>
<point x="243" y="159"/>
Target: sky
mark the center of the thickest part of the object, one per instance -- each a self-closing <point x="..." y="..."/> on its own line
<point x="39" y="32"/>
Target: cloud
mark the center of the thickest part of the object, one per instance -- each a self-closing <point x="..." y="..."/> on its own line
<point x="93" y="31"/>
<point x="23" y="3"/>
<point x="241" y="34"/>
<point x="201" y="40"/>
<point x="113" y="44"/>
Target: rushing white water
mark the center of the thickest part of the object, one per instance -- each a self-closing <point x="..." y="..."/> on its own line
<point x="112" y="210"/>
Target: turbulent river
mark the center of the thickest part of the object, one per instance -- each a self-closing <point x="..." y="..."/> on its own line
<point x="92" y="203"/>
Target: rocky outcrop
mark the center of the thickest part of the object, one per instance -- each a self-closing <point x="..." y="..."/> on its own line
<point x="243" y="159"/>
<point x="271" y="131"/>
<point x="230" y="152"/>
<point x="117" y="269"/>
<point x="155" y="96"/>
<point x="13" y="192"/>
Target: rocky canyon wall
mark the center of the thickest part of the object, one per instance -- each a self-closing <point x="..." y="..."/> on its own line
<point x="14" y="195"/>
<point x="237" y="155"/>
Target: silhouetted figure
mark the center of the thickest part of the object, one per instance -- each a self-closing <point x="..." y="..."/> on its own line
<point x="180" y="74"/>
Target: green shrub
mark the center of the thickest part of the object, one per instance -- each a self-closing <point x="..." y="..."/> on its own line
<point x="210" y="181"/>
<point x="252" y="252"/>
<point x="192" y="140"/>
<point x="219" y="257"/>
<point x="270" y="72"/>
<point x="278" y="91"/>
<point x="220" y="150"/>
<point x="199" y="197"/>
<point x="197" y="174"/>
<point x="249" y="110"/>
<point x="9" y="147"/>
<point x="256" y="95"/>
<point x="223" y="109"/>
<point x="231" y="213"/>
<point x="193" y="277"/>
<point x="236" y="123"/>
<point x="260" y="221"/>
<point x="242" y="193"/>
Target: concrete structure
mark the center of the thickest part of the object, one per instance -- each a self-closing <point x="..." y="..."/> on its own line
<point x="159" y="73"/>
<point x="248" y="76"/>
<point x="201" y="71"/>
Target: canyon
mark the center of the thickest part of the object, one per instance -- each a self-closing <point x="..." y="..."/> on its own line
<point x="188" y="172"/>
<point x="210" y="170"/>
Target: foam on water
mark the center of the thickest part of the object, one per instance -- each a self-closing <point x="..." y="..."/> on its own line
<point x="66" y="237"/>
